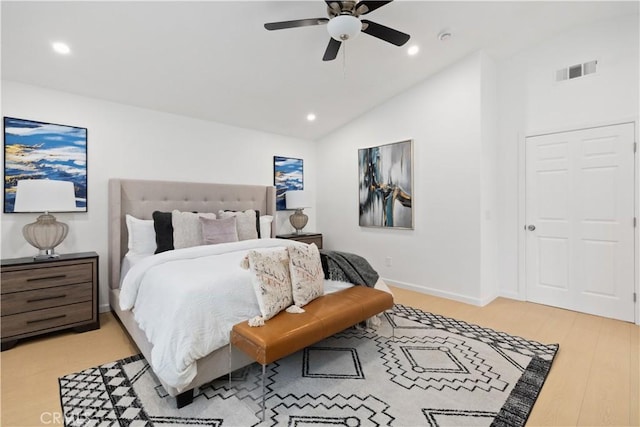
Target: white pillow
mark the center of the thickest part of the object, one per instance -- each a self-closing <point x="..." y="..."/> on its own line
<point x="142" y="235"/>
<point x="271" y="281"/>
<point x="187" y="231"/>
<point x="265" y="226"/>
<point x="245" y="223"/>
<point x="216" y="231"/>
<point x="307" y="277"/>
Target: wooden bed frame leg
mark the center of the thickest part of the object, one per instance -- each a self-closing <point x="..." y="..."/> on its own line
<point x="185" y="398"/>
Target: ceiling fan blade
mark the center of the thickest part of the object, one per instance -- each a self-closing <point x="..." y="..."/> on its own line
<point x="387" y="34"/>
<point x="296" y="23"/>
<point x="366" y="6"/>
<point x="332" y="50"/>
<point x="334" y="5"/>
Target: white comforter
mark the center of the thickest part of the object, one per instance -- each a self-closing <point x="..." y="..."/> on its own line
<point x="187" y="300"/>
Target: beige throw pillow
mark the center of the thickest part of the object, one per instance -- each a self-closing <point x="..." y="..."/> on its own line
<point x="245" y="223"/>
<point x="307" y="277"/>
<point x="187" y="231"/>
<point x="271" y="281"/>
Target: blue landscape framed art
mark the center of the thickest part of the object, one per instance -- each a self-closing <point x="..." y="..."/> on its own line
<point x="39" y="150"/>
<point x="386" y="185"/>
<point x="288" y="175"/>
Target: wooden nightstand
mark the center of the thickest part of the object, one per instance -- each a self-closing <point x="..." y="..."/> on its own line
<point x="45" y="296"/>
<point x="307" y="238"/>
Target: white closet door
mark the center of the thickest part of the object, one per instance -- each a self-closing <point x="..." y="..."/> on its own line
<point x="580" y="220"/>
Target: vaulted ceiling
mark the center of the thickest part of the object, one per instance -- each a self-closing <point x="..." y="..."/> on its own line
<point x="215" y="61"/>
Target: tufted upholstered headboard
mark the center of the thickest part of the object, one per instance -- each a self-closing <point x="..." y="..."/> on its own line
<point x="141" y="198"/>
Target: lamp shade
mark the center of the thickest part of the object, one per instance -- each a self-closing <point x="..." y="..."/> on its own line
<point x="45" y="195"/>
<point x="296" y="199"/>
<point x="344" y="27"/>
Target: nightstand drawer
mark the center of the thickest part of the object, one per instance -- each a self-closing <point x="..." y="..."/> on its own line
<point x="311" y="239"/>
<point x="46" y="277"/>
<point x="50" y="318"/>
<point x="19" y="302"/>
<point x="307" y="238"/>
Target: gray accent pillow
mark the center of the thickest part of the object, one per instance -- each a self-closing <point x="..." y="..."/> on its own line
<point x="216" y="231"/>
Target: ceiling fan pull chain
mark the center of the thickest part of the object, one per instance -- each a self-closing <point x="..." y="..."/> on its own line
<point x="344" y="61"/>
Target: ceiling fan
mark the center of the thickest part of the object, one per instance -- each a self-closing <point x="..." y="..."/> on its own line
<point x="344" y="23"/>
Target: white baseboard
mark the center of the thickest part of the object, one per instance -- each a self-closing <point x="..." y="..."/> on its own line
<point x="511" y="295"/>
<point x="442" y="294"/>
<point x="487" y="300"/>
<point x="103" y="308"/>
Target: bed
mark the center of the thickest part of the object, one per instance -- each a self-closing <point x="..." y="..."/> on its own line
<point x="140" y="198"/>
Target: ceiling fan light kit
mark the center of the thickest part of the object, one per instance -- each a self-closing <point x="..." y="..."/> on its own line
<point x="344" y="24"/>
<point x="344" y="27"/>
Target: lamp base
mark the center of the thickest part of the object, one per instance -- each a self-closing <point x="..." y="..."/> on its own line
<point x="46" y="254"/>
<point x="298" y="220"/>
<point x="45" y="234"/>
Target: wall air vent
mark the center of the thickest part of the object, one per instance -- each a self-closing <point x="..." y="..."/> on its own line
<point x="575" y="71"/>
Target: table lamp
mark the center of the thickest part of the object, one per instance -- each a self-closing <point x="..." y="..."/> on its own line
<point x="297" y="199"/>
<point x="44" y="195"/>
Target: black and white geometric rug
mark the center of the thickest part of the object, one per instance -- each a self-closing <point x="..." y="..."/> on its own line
<point x="435" y="371"/>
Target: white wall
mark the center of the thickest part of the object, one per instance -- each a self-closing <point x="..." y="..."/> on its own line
<point x="532" y="102"/>
<point x="129" y="142"/>
<point x="466" y="158"/>
<point x="468" y="124"/>
<point x="489" y="184"/>
<point x="443" y="116"/>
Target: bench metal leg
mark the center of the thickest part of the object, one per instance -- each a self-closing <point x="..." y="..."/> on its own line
<point x="393" y="328"/>
<point x="264" y="369"/>
<point x="230" y="364"/>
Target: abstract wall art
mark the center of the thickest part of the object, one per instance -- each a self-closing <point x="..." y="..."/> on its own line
<point x="38" y="150"/>
<point x="288" y="174"/>
<point x="386" y="185"/>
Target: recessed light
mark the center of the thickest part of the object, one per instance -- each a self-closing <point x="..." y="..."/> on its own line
<point x="444" y="36"/>
<point x="311" y="117"/>
<point x="413" y="50"/>
<point x="61" y="48"/>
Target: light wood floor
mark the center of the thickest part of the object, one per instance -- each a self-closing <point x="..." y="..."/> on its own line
<point x="594" y="380"/>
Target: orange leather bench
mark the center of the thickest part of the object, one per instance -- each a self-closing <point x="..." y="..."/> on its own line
<point x="327" y="315"/>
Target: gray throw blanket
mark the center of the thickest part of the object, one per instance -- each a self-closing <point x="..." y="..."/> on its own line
<point x="348" y="267"/>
